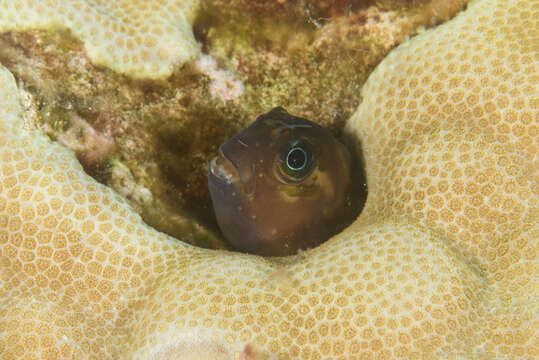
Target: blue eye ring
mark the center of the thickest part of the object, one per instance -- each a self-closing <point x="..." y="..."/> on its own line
<point x="295" y="161"/>
<point x="292" y="157"/>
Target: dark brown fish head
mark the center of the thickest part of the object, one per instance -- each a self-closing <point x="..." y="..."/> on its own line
<point x="282" y="184"/>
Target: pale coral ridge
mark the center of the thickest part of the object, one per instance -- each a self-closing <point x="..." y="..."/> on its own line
<point x="144" y="39"/>
<point x="458" y="125"/>
<point x="441" y="263"/>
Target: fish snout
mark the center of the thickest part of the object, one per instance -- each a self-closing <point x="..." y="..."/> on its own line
<point x="223" y="169"/>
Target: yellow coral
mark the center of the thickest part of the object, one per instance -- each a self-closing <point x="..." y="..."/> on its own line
<point x="441" y="263"/>
<point x="137" y="37"/>
<point x="458" y="125"/>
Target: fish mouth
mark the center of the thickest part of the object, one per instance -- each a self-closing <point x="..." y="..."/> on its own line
<point x="223" y="169"/>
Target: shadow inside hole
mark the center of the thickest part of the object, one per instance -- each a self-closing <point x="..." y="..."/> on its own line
<point x="186" y="146"/>
<point x="359" y="174"/>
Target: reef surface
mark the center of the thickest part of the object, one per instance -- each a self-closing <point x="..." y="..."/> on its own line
<point x="441" y="263"/>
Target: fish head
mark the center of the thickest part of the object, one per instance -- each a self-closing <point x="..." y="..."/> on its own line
<point x="280" y="185"/>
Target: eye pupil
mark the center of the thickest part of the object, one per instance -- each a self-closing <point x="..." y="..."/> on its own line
<point x="296" y="159"/>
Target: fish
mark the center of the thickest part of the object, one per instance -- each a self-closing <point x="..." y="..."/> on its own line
<point x="282" y="185"/>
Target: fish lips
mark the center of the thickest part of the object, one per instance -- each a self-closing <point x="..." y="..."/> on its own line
<point x="223" y="170"/>
<point x="232" y="165"/>
<point x="228" y="181"/>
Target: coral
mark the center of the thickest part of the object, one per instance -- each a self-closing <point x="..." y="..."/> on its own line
<point x="140" y="38"/>
<point x="449" y="129"/>
<point x="457" y="121"/>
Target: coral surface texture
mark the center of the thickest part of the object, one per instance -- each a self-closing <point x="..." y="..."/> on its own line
<point x="440" y="264"/>
<point x="137" y="37"/>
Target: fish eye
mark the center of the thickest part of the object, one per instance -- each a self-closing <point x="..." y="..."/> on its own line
<point x="296" y="161"/>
